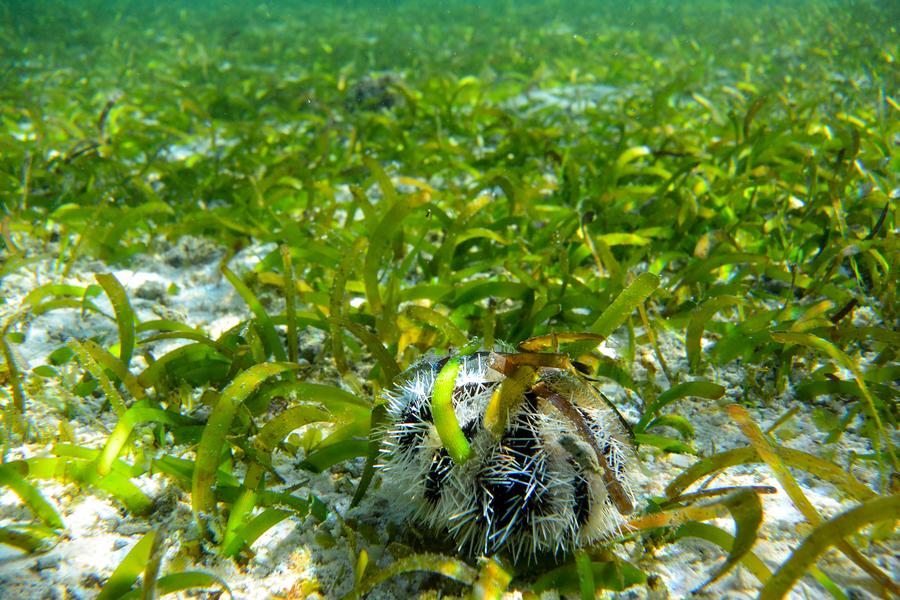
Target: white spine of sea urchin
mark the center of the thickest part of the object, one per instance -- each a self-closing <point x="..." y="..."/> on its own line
<point x="556" y="478"/>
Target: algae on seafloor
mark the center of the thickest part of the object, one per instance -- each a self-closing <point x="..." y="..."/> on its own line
<point x="710" y="186"/>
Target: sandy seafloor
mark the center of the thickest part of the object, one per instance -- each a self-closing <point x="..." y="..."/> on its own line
<point x="302" y="558"/>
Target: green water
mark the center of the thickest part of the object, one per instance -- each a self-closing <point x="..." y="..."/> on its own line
<point x="413" y="175"/>
<point x="146" y="76"/>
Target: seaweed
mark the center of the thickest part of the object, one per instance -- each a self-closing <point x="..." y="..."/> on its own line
<point x="696" y="201"/>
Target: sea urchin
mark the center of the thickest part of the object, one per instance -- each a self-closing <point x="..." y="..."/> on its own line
<point x="548" y="464"/>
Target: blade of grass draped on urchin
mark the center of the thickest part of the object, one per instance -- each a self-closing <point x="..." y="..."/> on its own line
<point x="213" y="437"/>
<point x="507" y="397"/>
<point x="515" y="384"/>
<point x="552" y="341"/>
<point x="445" y="422"/>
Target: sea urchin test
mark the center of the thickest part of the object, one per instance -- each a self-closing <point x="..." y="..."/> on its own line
<point x="508" y="452"/>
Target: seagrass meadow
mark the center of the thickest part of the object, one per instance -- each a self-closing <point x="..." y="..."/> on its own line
<point x="229" y="228"/>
